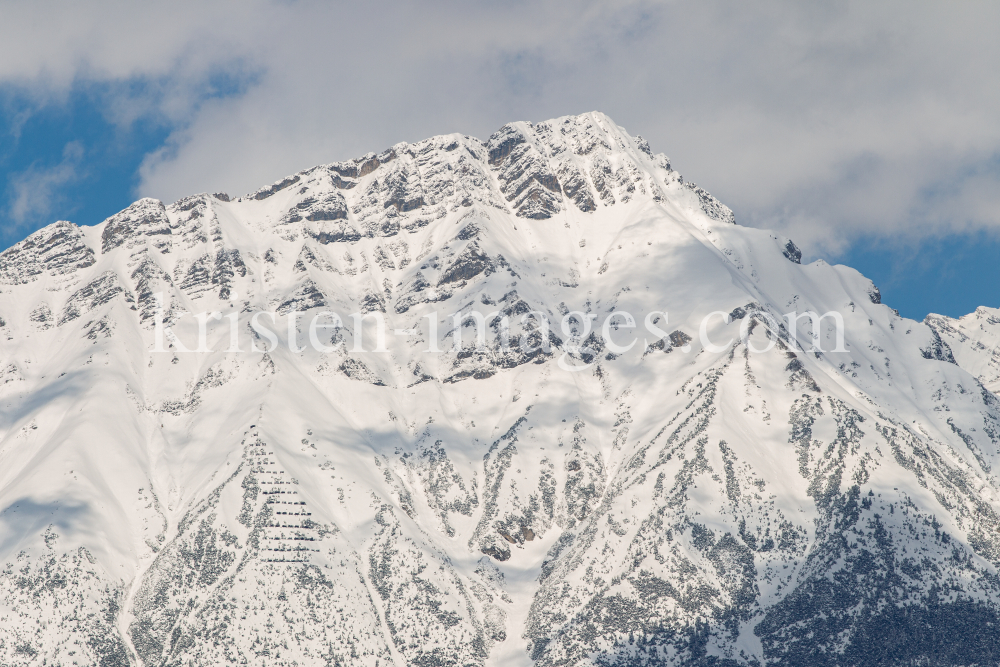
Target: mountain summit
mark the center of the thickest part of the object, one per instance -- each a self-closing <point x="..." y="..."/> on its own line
<point x="533" y="400"/>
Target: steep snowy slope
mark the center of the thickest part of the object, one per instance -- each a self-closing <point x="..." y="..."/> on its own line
<point x="974" y="341"/>
<point x="700" y="497"/>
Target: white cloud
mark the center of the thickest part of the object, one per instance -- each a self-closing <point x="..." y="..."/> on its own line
<point x="35" y="191"/>
<point x="830" y="122"/>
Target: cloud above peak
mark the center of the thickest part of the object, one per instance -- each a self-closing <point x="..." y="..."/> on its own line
<point x="830" y="123"/>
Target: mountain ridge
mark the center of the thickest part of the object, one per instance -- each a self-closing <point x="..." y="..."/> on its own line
<point x="682" y="502"/>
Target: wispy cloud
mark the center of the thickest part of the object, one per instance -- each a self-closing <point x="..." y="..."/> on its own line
<point x="35" y="192"/>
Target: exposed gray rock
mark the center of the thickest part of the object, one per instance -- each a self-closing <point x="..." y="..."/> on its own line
<point x="54" y="250"/>
<point x="145" y="219"/>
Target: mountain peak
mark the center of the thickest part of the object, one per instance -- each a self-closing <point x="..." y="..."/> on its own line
<point x="528" y="400"/>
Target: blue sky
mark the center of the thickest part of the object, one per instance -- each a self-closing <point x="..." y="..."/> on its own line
<point x="77" y="156"/>
<point x="66" y="161"/>
<point x="835" y="125"/>
<point x="949" y="276"/>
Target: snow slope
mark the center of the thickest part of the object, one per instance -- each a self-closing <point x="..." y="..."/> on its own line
<point x="677" y="503"/>
<point x="975" y="342"/>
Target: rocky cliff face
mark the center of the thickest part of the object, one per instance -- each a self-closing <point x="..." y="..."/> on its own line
<point x="521" y="497"/>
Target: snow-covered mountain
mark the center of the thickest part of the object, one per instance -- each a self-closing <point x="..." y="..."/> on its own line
<point x="687" y="501"/>
<point x="974" y="341"/>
